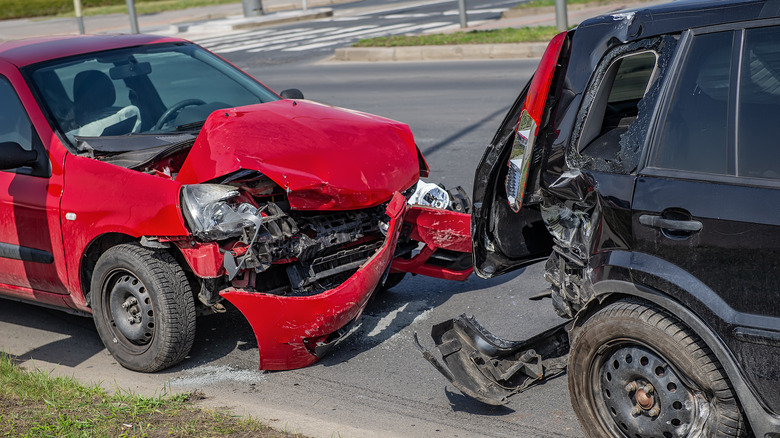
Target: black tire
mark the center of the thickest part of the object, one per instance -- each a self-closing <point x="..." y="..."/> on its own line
<point x="392" y="281"/>
<point x="143" y="307"/>
<point x="627" y="345"/>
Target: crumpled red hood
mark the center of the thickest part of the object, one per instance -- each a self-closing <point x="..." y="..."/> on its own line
<point x="326" y="158"/>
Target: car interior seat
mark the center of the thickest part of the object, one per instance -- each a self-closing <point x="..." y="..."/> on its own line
<point x="94" y="96"/>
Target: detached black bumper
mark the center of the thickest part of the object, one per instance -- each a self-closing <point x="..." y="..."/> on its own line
<point x="491" y="369"/>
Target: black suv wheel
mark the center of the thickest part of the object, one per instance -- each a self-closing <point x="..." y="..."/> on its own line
<point x="636" y="371"/>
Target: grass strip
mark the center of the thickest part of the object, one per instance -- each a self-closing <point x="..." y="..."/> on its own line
<point x="64" y="8"/>
<point x="492" y="36"/>
<point x="151" y="7"/>
<point x="35" y="404"/>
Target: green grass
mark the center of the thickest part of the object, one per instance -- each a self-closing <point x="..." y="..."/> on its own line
<point x="493" y="36"/>
<point x="64" y="8"/>
<point x="152" y="7"/>
<point x="35" y="404"/>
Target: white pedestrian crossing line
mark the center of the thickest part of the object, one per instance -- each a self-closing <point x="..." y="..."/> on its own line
<point x="307" y="37"/>
<point x="253" y="36"/>
<point x="369" y="34"/>
<point x="291" y="40"/>
<point x="348" y="34"/>
<point x="262" y="42"/>
<point x="238" y="37"/>
<point x="358" y="30"/>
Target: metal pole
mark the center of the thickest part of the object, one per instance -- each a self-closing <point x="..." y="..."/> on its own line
<point x="303" y="4"/>
<point x="561" y="18"/>
<point x="462" y="8"/>
<point x="133" y="17"/>
<point x="252" y="8"/>
<point x="79" y="17"/>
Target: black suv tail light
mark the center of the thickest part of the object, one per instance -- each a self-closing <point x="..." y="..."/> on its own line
<point x="528" y="125"/>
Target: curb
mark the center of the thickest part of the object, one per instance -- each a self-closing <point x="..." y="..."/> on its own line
<point x="241" y="23"/>
<point x="440" y="53"/>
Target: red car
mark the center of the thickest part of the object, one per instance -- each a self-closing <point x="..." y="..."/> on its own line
<point x="146" y="179"/>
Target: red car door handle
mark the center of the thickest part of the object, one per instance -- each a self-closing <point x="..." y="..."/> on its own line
<point x="669" y="224"/>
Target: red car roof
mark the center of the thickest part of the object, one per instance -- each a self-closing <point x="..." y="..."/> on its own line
<point x="31" y="51"/>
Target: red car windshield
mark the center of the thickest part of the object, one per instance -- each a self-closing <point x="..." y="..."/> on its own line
<point x="146" y="89"/>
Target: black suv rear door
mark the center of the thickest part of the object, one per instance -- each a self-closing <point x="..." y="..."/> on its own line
<point x="706" y="209"/>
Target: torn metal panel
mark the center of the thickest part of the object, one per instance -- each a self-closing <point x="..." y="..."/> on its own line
<point x="446" y="236"/>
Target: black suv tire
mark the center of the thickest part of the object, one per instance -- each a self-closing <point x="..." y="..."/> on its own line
<point x="143" y="307"/>
<point x="637" y="371"/>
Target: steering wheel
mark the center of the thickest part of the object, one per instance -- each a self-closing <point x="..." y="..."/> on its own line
<point x="175" y="108"/>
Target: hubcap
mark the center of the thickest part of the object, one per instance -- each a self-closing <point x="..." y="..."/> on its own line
<point x="642" y="395"/>
<point x="131" y="309"/>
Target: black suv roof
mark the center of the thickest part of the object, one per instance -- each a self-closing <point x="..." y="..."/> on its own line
<point x="677" y="16"/>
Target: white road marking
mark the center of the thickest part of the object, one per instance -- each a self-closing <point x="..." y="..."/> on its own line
<point x="321" y="42"/>
<point x="263" y="42"/>
<point x="309" y="38"/>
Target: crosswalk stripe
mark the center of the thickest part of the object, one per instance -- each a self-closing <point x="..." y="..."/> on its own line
<point x="378" y="32"/>
<point x="254" y="38"/>
<point x="248" y="46"/>
<point x="312" y="38"/>
<point x="340" y="36"/>
<point x="235" y="37"/>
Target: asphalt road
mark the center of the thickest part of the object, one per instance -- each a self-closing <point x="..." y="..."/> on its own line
<point x="374" y="383"/>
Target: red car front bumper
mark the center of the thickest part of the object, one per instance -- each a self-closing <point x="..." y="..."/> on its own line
<point x="294" y="332"/>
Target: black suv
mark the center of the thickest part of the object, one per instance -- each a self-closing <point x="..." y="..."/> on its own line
<point x="642" y="161"/>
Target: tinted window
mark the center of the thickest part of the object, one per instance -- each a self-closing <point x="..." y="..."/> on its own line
<point x="695" y="134"/>
<point x="632" y="79"/>
<point x="759" y="105"/>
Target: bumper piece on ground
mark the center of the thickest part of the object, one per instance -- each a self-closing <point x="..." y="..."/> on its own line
<point x="491" y="369"/>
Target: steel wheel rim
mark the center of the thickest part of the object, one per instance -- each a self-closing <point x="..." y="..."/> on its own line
<point x="128" y="310"/>
<point x="638" y="393"/>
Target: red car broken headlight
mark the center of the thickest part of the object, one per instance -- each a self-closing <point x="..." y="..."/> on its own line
<point x="209" y="215"/>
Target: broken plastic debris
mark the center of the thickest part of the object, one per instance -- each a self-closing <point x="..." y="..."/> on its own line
<point x="429" y="194"/>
